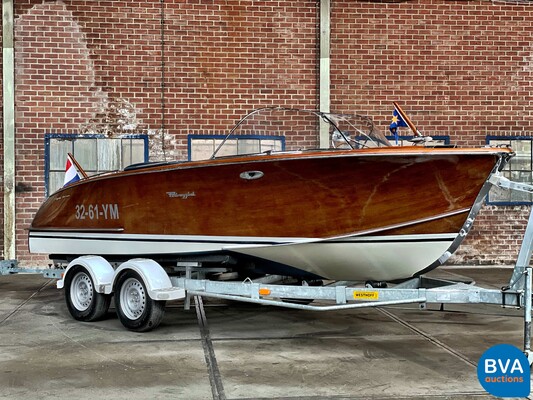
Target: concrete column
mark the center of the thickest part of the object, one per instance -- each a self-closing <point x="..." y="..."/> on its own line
<point x="8" y="92"/>
<point x="325" y="79"/>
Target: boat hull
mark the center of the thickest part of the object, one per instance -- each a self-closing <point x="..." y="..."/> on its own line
<point x="389" y="257"/>
<point x="350" y="215"/>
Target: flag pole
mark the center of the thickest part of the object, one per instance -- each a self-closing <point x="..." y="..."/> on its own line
<point x="78" y="166"/>
<point x="406" y="119"/>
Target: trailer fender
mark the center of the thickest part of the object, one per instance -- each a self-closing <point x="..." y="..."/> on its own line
<point x="98" y="267"/>
<point x="155" y="278"/>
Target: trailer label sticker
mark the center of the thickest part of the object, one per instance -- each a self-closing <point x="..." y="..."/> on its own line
<point x="365" y="295"/>
<point x="97" y="211"/>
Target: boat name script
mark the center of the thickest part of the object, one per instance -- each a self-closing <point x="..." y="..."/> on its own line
<point x="97" y="211"/>
<point x="183" y="196"/>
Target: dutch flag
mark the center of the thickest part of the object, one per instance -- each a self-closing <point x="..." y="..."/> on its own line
<point x="71" y="174"/>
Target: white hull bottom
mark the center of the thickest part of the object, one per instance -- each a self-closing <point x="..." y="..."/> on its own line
<point x="356" y="258"/>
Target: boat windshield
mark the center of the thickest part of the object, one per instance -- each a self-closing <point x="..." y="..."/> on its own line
<point x="301" y="130"/>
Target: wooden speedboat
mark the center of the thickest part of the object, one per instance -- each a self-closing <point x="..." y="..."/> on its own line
<point x="376" y="213"/>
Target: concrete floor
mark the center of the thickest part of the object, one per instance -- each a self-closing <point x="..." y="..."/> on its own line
<point x="242" y="351"/>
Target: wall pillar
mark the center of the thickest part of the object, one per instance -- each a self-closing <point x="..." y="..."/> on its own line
<point x="324" y="79"/>
<point x="8" y="92"/>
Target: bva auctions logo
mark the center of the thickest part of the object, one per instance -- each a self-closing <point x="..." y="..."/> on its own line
<point x="503" y="371"/>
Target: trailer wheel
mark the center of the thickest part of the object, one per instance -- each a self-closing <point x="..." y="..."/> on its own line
<point x="135" y="309"/>
<point x="83" y="302"/>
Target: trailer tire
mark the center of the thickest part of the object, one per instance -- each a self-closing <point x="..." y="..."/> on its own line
<point x="135" y="309"/>
<point x="83" y="301"/>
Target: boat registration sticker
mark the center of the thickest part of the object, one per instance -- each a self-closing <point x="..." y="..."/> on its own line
<point x="365" y="295"/>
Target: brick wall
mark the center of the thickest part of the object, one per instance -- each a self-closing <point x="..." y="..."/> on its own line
<point x="459" y="68"/>
<point x="495" y="238"/>
<point x="220" y="60"/>
<point x="56" y="91"/>
<point x="463" y="69"/>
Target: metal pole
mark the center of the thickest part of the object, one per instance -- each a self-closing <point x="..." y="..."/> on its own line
<point x="527" y="314"/>
<point x="325" y="78"/>
<point x="524" y="256"/>
<point x="8" y="92"/>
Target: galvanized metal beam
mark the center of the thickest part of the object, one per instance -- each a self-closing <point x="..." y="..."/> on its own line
<point x="526" y="248"/>
<point x="8" y="92"/>
<point x="325" y="78"/>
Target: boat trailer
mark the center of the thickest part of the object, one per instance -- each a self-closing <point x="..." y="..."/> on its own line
<point x="188" y="279"/>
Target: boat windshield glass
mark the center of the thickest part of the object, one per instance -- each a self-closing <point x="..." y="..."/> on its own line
<point x="302" y="129"/>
